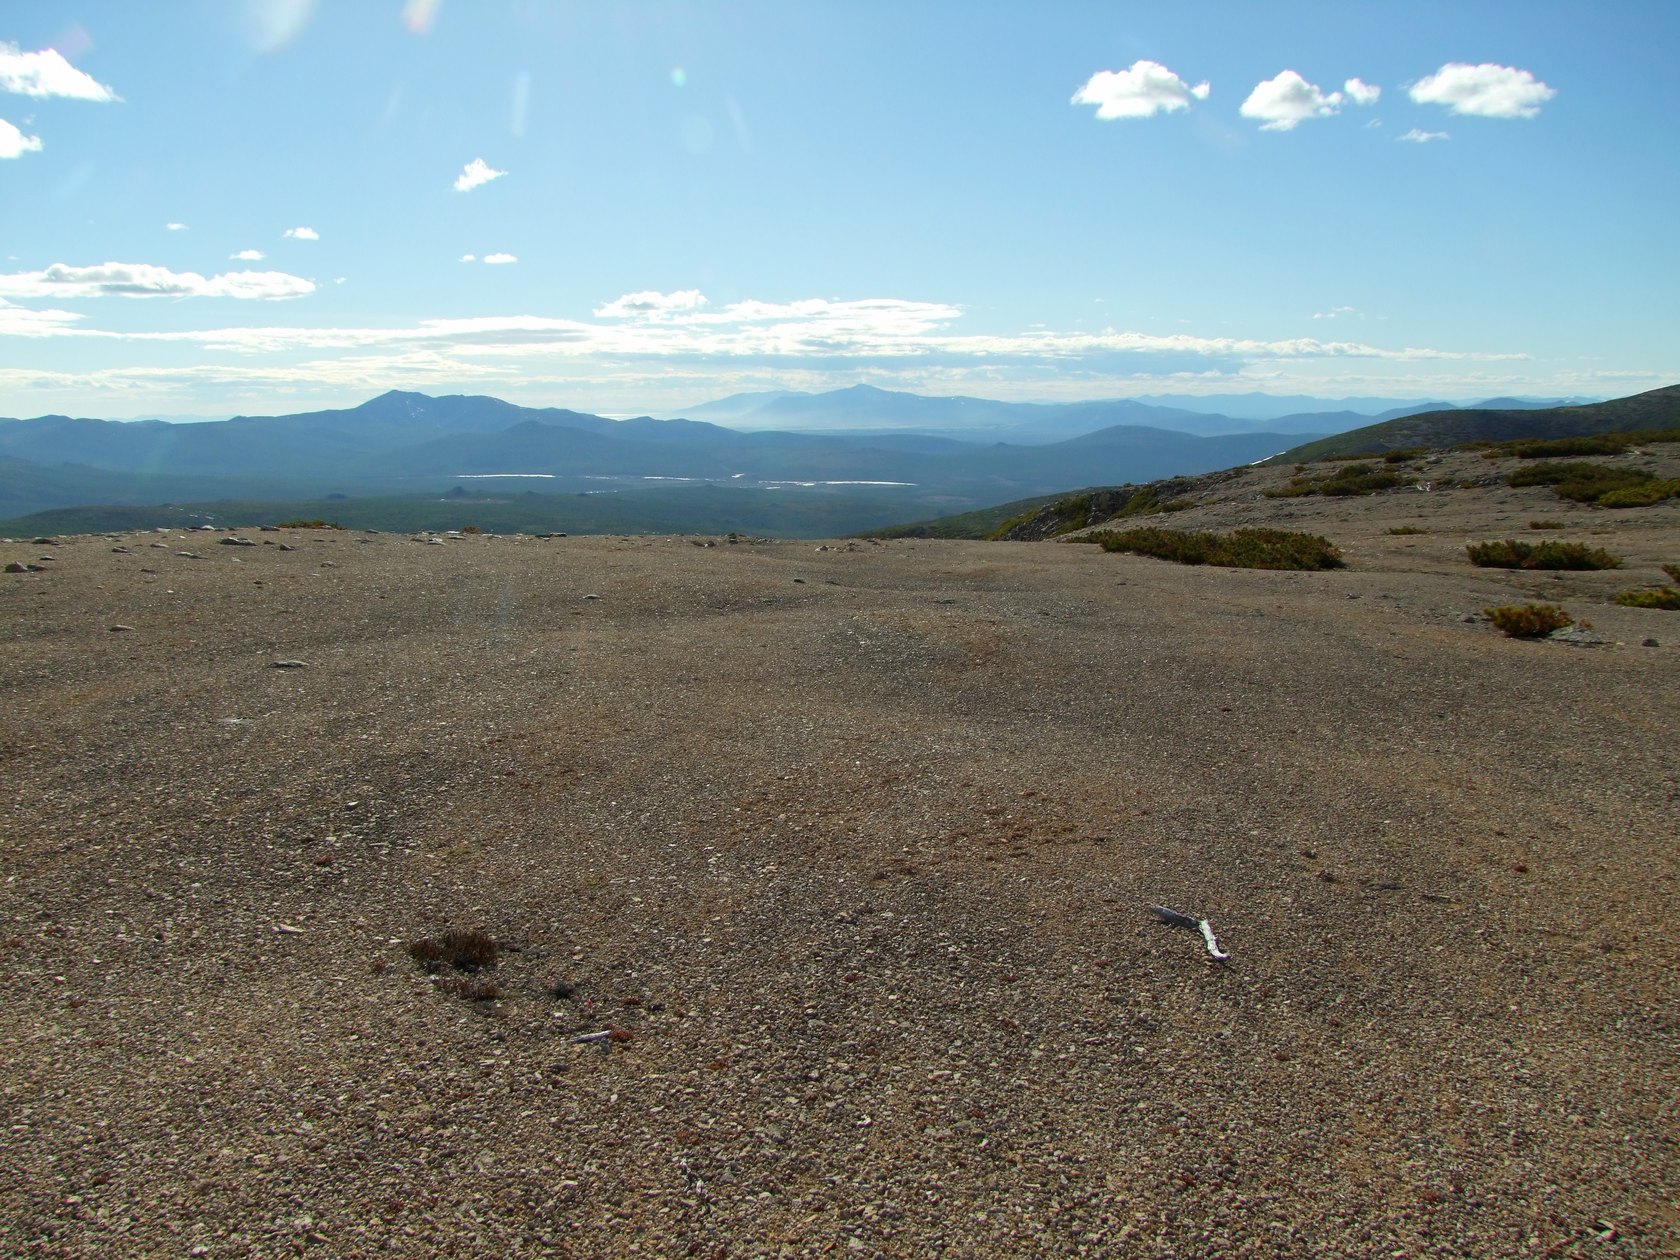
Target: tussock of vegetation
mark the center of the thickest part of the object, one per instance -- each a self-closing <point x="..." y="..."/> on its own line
<point x="1244" y="549"/>
<point x="1511" y="554"/>
<point x="473" y="988"/>
<point x="1584" y="483"/>
<point x="1400" y="454"/>
<point x="1642" y="495"/>
<point x="1349" y="479"/>
<point x="1544" y="524"/>
<point x="1662" y="597"/>
<point x="465" y="949"/>
<point x="1528" y="621"/>
<point x="1673" y="571"/>
<point x="1406" y="529"/>
<point x="316" y="523"/>
<point x="1588" y="444"/>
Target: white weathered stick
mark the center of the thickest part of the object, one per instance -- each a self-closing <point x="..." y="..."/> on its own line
<point x="1212" y="941"/>
<point x="603" y="1035"/>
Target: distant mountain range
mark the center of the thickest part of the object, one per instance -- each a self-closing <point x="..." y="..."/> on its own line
<point x="980" y="419"/>
<point x="838" y="462"/>
<point x="410" y="444"/>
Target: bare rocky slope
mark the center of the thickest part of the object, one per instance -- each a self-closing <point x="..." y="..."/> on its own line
<point x="854" y="845"/>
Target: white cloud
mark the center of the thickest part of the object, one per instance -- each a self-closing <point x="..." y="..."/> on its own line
<point x="499" y="259"/>
<point x="1146" y="89"/>
<point x="1361" y="93"/>
<point x="1486" y="90"/>
<point x="469" y="257"/>
<point x="115" y="279"/>
<point x="1335" y="312"/>
<point x="20" y="321"/>
<point x="1282" y="102"/>
<point x="247" y="255"/>
<point x="175" y="227"/>
<point x="13" y="143"/>
<point x="650" y="303"/>
<point x="474" y="173"/>
<point x="1415" y="136"/>
<point x="301" y="234"/>
<point x="47" y="73"/>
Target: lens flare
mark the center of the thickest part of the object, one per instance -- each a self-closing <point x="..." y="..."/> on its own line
<point x="418" y="15"/>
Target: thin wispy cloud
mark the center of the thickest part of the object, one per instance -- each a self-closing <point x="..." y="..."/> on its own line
<point x="1144" y="89"/>
<point x="13" y="143"/>
<point x="1286" y="100"/>
<point x="301" y="234"/>
<point x="46" y="73"/>
<point x="142" y="280"/>
<point x="1418" y="136"/>
<point x="818" y="334"/>
<point x="174" y="227"/>
<point x="476" y="174"/>
<point x="1486" y="90"/>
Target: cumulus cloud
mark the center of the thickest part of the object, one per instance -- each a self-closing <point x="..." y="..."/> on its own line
<point x="1282" y="102"/>
<point x="47" y="73"/>
<point x="1360" y="92"/>
<point x="175" y="227"/>
<point x="475" y="173"/>
<point x="1486" y="90"/>
<point x="469" y="257"/>
<point x="1145" y="89"/>
<point x="1417" y="136"/>
<point x="301" y="234"/>
<point x="13" y="143"/>
<point x="500" y="259"/>
<point x="114" y="279"/>
<point x="650" y="303"/>
<point x="248" y="255"/>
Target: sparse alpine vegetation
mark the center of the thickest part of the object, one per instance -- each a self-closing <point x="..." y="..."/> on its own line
<point x="1528" y="621"/>
<point x="1603" y="484"/>
<point x="1510" y="554"/>
<point x="1587" y="444"/>
<point x="1348" y="479"/>
<point x="1665" y="597"/>
<point x="464" y="949"/>
<point x="1243" y="549"/>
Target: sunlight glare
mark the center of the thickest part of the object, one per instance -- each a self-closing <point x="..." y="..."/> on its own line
<point x="271" y="25"/>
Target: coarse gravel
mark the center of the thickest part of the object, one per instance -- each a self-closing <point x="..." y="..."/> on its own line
<point x="855" y="844"/>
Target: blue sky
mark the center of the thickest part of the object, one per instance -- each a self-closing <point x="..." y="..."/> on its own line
<point x="276" y="205"/>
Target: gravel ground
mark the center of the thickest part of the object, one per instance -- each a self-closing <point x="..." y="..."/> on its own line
<point x="854" y="844"/>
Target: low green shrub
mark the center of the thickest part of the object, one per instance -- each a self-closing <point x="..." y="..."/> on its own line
<point x="1582" y="483"/>
<point x="314" y="523"/>
<point x="1546" y="448"/>
<point x="1528" y="621"/>
<point x="1511" y="554"/>
<point x="1243" y="549"/>
<point x="1349" y="479"/>
<point x="1406" y="529"/>
<point x="1545" y="524"/>
<point x="1662" y="597"/>
<point x="1673" y="571"/>
<point x="1643" y="495"/>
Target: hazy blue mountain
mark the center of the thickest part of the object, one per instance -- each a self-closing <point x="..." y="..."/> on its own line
<point x="409" y="444"/>
<point x="863" y="408"/>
